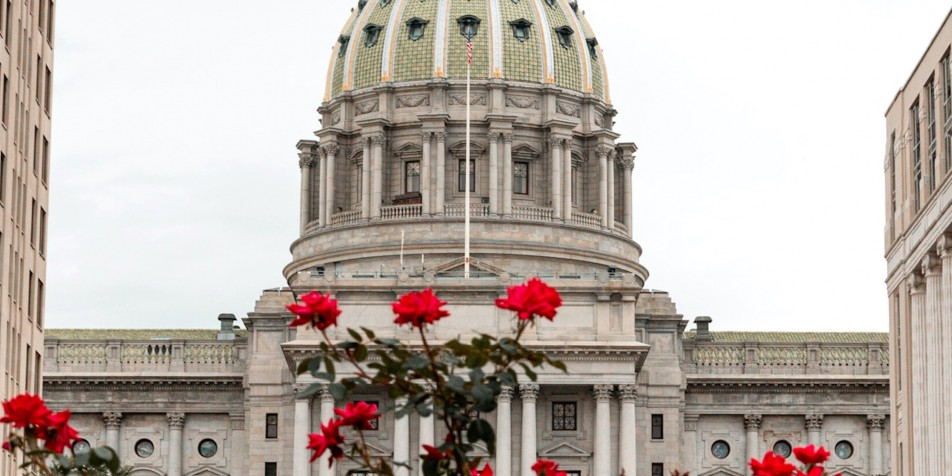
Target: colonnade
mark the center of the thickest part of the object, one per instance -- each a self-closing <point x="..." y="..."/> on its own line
<point x="503" y="461"/>
<point x="324" y="162"/>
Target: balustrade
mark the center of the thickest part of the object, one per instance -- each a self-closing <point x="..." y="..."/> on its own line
<point x="589" y="220"/>
<point x="345" y="218"/>
<point x="459" y="209"/>
<point x="396" y="212"/>
<point x="144" y="356"/>
<point x="532" y="213"/>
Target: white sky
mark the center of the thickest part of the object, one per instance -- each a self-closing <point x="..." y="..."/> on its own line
<point x="759" y="183"/>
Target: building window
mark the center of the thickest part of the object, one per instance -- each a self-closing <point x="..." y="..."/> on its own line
<point x="46" y="93"/>
<point x="42" y="232"/>
<point x="6" y="98"/>
<point x="46" y="160"/>
<point x="271" y="469"/>
<point x="564" y="416"/>
<point x="411" y="177"/>
<point x="573" y="473"/>
<point x="843" y="450"/>
<point x="33" y="224"/>
<point x="472" y="175"/>
<point x="520" y="29"/>
<point x="3" y="176"/>
<point x="36" y="151"/>
<point x="81" y="446"/>
<point x="468" y="26"/>
<point x="30" y="296"/>
<point x="144" y="448"/>
<point x="657" y="469"/>
<point x="371" y="35"/>
<point x="360" y="183"/>
<point x="720" y="449"/>
<point x="933" y="138"/>
<point x="415" y="28"/>
<point x="892" y="172"/>
<point x="520" y="178"/>
<point x="207" y="448"/>
<point x="49" y="21"/>
<point x="916" y="156"/>
<point x="947" y="96"/>
<point x="271" y="425"/>
<point x="565" y="36"/>
<point x="39" y="86"/>
<point x="783" y="448"/>
<point x="575" y="182"/>
<point x="657" y="427"/>
<point x="343" y="40"/>
<point x="40" y="299"/>
<point x="592" y="48"/>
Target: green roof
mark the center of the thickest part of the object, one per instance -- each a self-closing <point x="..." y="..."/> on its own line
<point x="798" y="337"/>
<point x="135" y="334"/>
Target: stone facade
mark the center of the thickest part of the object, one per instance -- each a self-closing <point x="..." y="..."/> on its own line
<point x="917" y="162"/>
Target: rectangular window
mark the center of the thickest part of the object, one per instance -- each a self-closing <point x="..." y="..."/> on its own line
<point x="46" y="160"/>
<point x="933" y="142"/>
<point x="575" y="182"/>
<point x="916" y="156"/>
<point x="42" y="232"/>
<point x="360" y="183"/>
<point x="42" y="21"/>
<point x="271" y="469"/>
<point x="40" y="300"/>
<point x="472" y="175"/>
<point x="8" y="21"/>
<point x="29" y="368"/>
<point x="49" y="21"/>
<point x="573" y="473"/>
<point x="30" y="296"/>
<point x="411" y="174"/>
<point x="36" y="151"/>
<point x="33" y="224"/>
<point x="6" y="98"/>
<point x="39" y="69"/>
<point x="892" y="172"/>
<point x="3" y="176"/>
<point x="47" y="97"/>
<point x="37" y="375"/>
<point x="271" y="425"/>
<point x="657" y="469"/>
<point x="657" y="427"/>
<point x="520" y="178"/>
<point x="564" y="416"/>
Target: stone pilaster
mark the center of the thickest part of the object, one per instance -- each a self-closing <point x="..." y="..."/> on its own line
<point x="307" y="176"/>
<point x="507" y="174"/>
<point x="426" y="173"/>
<point x="603" y="445"/>
<point x="603" y="189"/>
<point x="567" y="192"/>
<point x="689" y="443"/>
<point x="875" y="424"/>
<point x="627" y="441"/>
<point x="945" y="330"/>
<point x="322" y="218"/>
<point x="529" y="394"/>
<point x="611" y="189"/>
<point x="401" y="441"/>
<point x="628" y="165"/>
<point x="931" y="268"/>
<point x="376" y="171"/>
<point x="494" y="139"/>
<point x="327" y="414"/>
<point x="302" y="427"/>
<point x="176" y="424"/>
<point x="917" y="414"/>
<point x="330" y="153"/>
<point x="112" y="421"/>
<point x="752" y="426"/>
<point x="440" y="172"/>
<point x="426" y="430"/>
<point x="365" y="178"/>
<point x="555" y="166"/>
<point x="813" y="424"/>
<point x="504" y="432"/>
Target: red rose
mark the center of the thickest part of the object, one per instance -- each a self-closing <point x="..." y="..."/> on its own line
<point x="58" y="434"/>
<point x="419" y="309"/>
<point x="810" y="456"/>
<point x="330" y="439"/>
<point x="534" y="298"/>
<point x="487" y="471"/>
<point x="319" y="311"/>
<point x="25" y="410"/>
<point x="434" y="454"/>
<point x="359" y="415"/>
<point x="772" y="465"/>
<point x="544" y="467"/>
<point x="7" y="446"/>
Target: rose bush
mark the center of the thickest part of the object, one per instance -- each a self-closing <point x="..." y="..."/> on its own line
<point x="454" y="381"/>
<point x="811" y="457"/>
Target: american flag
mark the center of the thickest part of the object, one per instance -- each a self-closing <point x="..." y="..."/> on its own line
<point x="469" y="51"/>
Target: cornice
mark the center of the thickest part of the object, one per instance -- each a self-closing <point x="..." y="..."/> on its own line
<point x="138" y="383"/>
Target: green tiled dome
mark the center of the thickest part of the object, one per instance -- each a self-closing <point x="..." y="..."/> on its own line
<point x="535" y="41"/>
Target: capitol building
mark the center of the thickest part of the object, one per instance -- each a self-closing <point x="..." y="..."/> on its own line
<point x="383" y="200"/>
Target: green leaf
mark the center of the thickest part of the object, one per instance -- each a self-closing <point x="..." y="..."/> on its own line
<point x="476" y="375"/>
<point x="431" y="468"/>
<point x="338" y="391"/>
<point x="360" y="353"/>
<point x="370" y="333"/>
<point x="357" y="337"/>
<point x="455" y="383"/>
<point x="481" y="430"/>
<point x="385" y="341"/>
<point x="347" y="345"/>
<point x="304" y="367"/>
<point x="329" y="365"/>
<point x="417" y="362"/>
<point x="308" y="392"/>
<point x="482" y="393"/>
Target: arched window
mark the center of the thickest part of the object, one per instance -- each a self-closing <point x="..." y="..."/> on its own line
<point x="344" y="40"/>
<point x="371" y="34"/>
<point x="416" y="28"/>
<point x="520" y="29"/>
<point x="592" y="47"/>
<point x="468" y="26"/>
<point x="565" y="36"/>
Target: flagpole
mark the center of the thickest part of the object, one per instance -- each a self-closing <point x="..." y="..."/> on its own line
<point x="468" y="171"/>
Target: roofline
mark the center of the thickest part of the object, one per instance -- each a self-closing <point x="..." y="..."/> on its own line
<point x="921" y="59"/>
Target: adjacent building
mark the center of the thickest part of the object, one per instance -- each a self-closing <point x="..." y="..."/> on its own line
<point x="26" y="89"/>
<point x="918" y="238"/>
<point x="382" y="213"/>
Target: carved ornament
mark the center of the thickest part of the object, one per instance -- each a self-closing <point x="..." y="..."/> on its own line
<point x="176" y="420"/>
<point x="568" y="109"/>
<point x="113" y="420"/>
<point x="367" y="107"/>
<point x="603" y="392"/>
<point x="529" y="392"/>
<point x="522" y="102"/>
<point x="474" y="99"/>
<point x="752" y="422"/>
<point x="413" y="100"/>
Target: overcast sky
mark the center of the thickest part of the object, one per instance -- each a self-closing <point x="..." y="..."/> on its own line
<point x="759" y="179"/>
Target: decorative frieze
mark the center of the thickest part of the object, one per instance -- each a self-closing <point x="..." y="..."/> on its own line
<point x="568" y="109"/>
<point x="522" y="102"/>
<point x="367" y="107"/>
<point x="474" y="99"/>
<point x="413" y="100"/>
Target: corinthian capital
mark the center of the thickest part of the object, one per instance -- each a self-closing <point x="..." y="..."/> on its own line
<point x="556" y="141"/>
<point x="529" y="392"/>
<point x="176" y="420"/>
<point x="494" y="137"/>
<point x="752" y="422"/>
<point x="931" y="265"/>
<point x="505" y="394"/>
<point x="306" y="160"/>
<point x="331" y="149"/>
<point x="379" y="139"/>
<point x="875" y="422"/>
<point x="814" y="422"/>
<point x="603" y="392"/>
<point x="440" y="137"/>
<point x="507" y="138"/>
<point x="113" y="420"/>
<point x="627" y="392"/>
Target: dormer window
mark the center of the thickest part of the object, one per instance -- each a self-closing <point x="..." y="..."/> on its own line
<point x="565" y="36"/>
<point x="550" y="2"/>
<point x="384" y="3"/>
<point x="520" y="29"/>
<point x="574" y="6"/>
<point x="361" y="4"/>
<point x="415" y="28"/>
<point x="371" y="35"/>
<point x="592" y="47"/>
<point x="344" y="40"/>
<point x="468" y="26"/>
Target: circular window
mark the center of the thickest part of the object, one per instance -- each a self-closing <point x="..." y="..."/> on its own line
<point x="144" y="448"/>
<point x="207" y="448"/>
<point x="80" y="446"/>
<point x="783" y="448"/>
<point x="720" y="449"/>
<point x="843" y="449"/>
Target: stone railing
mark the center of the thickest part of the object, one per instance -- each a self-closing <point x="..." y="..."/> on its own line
<point x="587" y="219"/>
<point x="459" y="209"/>
<point x="622" y="227"/>
<point x="787" y="358"/>
<point x="396" y="212"/>
<point x="144" y="356"/>
<point x="532" y="213"/>
<point x="345" y="218"/>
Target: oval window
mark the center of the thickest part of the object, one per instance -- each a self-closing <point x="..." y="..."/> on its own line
<point x="720" y="449"/>
<point x="80" y="446"/>
<point x="144" y="448"/>
<point x="783" y="448"/>
<point x="843" y="449"/>
<point x="208" y="448"/>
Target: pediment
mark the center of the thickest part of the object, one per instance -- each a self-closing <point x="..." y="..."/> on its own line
<point x="408" y="149"/>
<point x="146" y="472"/>
<point x="455" y="267"/>
<point x="206" y="471"/>
<point x="846" y="472"/>
<point x="721" y="472"/>
<point x="565" y="450"/>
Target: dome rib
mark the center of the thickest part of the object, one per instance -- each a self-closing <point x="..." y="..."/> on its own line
<point x="580" y="45"/>
<point x="548" y="52"/>
<point x="390" y="41"/>
<point x="356" y="36"/>
<point x="496" y="43"/>
<point x="333" y="84"/>
<point x="440" y="45"/>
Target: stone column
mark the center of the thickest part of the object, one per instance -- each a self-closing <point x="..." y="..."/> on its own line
<point x="567" y="179"/>
<point x="603" y="171"/>
<point x="945" y="253"/>
<point x="507" y="174"/>
<point x="603" y="428"/>
<point x="322" y="191"/>
<point x="494" y="138"/>
<point x="611" y="189"/>
<point x="875" y="425"/>
<point x="504" y="433"/>
<point x="426" y="430"/>
<point x="933" y="350"/>
<point x="113" y="421"/>
<point x="814" y="423"/>
<point x="426" y="174"/>
<point x="365" y="179"/>
<point x="327" y="414"/>
<point x="376" y="186"/>
<point x="330" y="177"/>
<point x="302" y="427"/>
<point x="529" y="394"/>
<point x="916" y="415"/>
<point x="752" y="425"/>
<point x="628" y="164"/>
<point x="237" y="463"/>
<point x="176" y="423"/>
<point x="689" y="443"/>
<point x="555" y="146"/>
<point x="440" y="173"/>
<point x="401" y="441"/>
<point x="627" y="431"/>
<point x="307" y="172"/>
